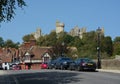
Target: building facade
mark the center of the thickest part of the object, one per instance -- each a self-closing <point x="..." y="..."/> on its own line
<point x="76" y="31"/>
<point x="28" y="56"/>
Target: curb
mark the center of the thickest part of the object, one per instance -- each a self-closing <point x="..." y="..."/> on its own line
<point x="105" y="70"/>
<point x="2" y="72"/>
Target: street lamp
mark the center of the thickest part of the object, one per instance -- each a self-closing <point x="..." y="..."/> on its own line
<point x="62" y="49"/>
<point x="98" y="48"/>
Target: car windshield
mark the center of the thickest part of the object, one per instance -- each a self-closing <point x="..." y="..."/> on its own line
<point x="66" y="59"/>
<point x="86" y="60"/>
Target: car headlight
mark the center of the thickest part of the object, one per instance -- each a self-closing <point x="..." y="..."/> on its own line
<point x="65" y="62"/>
<point x="83" y="64"/>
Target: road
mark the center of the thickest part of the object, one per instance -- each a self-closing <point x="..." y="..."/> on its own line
<point x="57" y="77"/>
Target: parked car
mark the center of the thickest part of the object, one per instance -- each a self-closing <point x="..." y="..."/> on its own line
<point x="84" y="64"/>
<point x="51" y="64"/>
<point x="15" y="67"/>
<point x="1" y="67"/>
<point x="11" y="66"/>
<point x="63" y="63"/>
<point x="72" y="66"/>
<point x="44" y="65"/>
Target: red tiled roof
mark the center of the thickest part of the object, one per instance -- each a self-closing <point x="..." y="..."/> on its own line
<point x="39" y="51"/>
<point x="5" y="55"/>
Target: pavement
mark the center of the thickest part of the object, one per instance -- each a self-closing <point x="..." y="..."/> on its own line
<point x="108" y="70"/>
<point x="2" y="72"/>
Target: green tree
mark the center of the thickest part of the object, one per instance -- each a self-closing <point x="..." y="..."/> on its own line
<point x="11" y="44"/>
<point x="107" y="46"/>
<point x="51" y="39"/>
<point x="65" y="37"/>
<point x="1" y="42"/>
<point x="117" y="39"/>
<point x="116" y="46"/>
<point x="77" y="42"/>
<point x="28" y="37"/>
<point x="88" y="45"/>
<point x="7" y="9"/>
<point x="60" y="49"/>
<point x="41" y="41"/>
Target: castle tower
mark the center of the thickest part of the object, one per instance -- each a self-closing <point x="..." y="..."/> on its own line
<point x="76" y="31"/>
<point x="38" y="33"/>
<point x="59" y="27"/>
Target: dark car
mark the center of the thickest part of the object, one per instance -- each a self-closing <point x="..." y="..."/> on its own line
<point x="63" y="63"/>
<point x="51" y="64"/>
<point x="84" y="64"/>
<point x="1" y="67"/>
<point x="72" y="66"/>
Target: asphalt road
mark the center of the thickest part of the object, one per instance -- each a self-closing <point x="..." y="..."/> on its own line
<point x="57" y="77"/>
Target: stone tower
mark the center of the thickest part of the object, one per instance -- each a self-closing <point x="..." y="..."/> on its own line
<point x="76" y="31"/>
<point x="38" y="33"/>
<point x="59" y="27"/>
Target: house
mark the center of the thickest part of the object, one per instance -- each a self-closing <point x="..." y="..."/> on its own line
<point x="35" y="56"/>
<point x="31" y="55"/>
<point x="6" y="55"/>
<point x="28" y="56"/>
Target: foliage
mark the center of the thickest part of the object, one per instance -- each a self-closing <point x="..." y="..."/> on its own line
<point x="86" y="47"/>
<point x="59" y="49"/>
<point x="28" y="37"/>
<point x="107" y="46"/>
<point x="117" y="39"/>
<point x="47" y="40"/>
<point x="64" y="37"/>
<point x="116" y="46"/>
<point x="1" y="42"/>
<point x="9" y="43"/>
<point x="7" y="8"/>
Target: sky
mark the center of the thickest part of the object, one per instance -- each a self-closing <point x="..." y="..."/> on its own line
<point x="44" y="14"/>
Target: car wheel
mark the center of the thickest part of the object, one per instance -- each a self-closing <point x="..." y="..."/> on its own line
<point x="61" y="67"/>
<point x="69" y="68"/>
<point x="55" y="67"/>
<point x="78" y="68"/>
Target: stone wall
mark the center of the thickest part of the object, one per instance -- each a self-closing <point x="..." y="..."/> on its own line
<point x="111" y="64"/>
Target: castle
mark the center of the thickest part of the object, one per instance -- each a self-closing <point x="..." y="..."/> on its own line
<point x="76" y="31"/>
<point x="59" y="27"/>
<point x="37" y="34"/>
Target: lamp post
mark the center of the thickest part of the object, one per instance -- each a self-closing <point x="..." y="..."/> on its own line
<point x="98" y="48"/>
<point x="62" y="49"/>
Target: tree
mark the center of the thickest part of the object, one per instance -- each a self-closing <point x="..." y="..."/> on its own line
<point x="28" y="37"/>
<point x="116" y="46"/>
<point x="65" y="37"/>
<point x="51" y="39"/>
<point x="7" y="9"/>
<point x="107" y="46"/>
<point x="117" y="39"/>
<point x="1" y="42"/>
<point x="11" y="44"/>
<point x="60" y="49"/>
<point x="88" y="45"/>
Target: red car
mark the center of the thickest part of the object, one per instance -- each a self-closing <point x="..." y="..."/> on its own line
<point x="44" y="65"/>
<point x="15" y="67"/>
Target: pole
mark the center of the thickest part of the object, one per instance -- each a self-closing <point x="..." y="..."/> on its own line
<point x="99" y="49"/>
